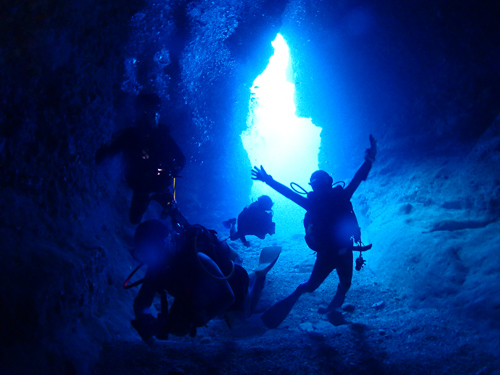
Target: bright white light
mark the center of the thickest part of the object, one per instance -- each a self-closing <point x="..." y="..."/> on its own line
<point x="286" y="145"/>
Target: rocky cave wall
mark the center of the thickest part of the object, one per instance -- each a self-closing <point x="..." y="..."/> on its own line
<point x="422" y="73"/>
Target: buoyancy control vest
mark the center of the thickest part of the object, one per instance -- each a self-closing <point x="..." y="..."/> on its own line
<point x="255" y="221"/>
<point x="330" y="223"/>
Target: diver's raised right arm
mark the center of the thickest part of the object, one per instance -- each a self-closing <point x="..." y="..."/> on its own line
<point x="261" y="175"/>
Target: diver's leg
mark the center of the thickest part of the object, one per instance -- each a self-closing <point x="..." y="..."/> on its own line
<point x="239" y="235"/>
<point x="139" y="205"/>
<point x="324" y="265"/>
<point x="273" y="317"/>
<point x="234" y="235"/>
<point x="344" y="270"/>
<point x="180" y="321"/>
<point x="255" y="288"/>
<point x="211" y="295"/>
<point x="244" y="240"/>
<point x="257" y="279"/>
<point x="144" y="298"/>
<point x="144" y="322"/>
<point x="162" y="318"/>
<point x="229" y="224"/>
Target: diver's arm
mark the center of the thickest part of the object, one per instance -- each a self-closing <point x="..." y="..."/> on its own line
<point x="287" y="192"/>
<point x="362" y="173"/>
<point x="261" y="175"/>
<point x="113" y="148"/>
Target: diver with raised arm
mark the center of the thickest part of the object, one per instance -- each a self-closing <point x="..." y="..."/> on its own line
<point x="331" y="228"/>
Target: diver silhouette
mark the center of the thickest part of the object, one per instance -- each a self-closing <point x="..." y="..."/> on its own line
<point x="256" y="219"/>
<point x="331" y="227"/>
<point x="202" y="274"/>
<point x="151" y="156"/>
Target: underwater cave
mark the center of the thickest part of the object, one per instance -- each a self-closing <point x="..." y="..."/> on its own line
<point x="295" y="86"/>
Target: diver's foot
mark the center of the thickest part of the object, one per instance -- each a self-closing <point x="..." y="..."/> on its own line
<point x="162" y="326"/>
<point x="349" y="307"/>
<point x="323" y="310"/>
<point x="336" y="318"/>
<point x="326" y="310"/>
<point x="229" y="223"/>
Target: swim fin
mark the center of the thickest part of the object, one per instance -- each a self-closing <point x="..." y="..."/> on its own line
<point x="268" y="257"/>
<point x="273" y="317"/>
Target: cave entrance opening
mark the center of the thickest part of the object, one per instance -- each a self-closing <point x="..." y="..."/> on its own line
<point x="286" y="145"/>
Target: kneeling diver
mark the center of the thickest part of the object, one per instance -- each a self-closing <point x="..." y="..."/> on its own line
<point x="200" y="272"/>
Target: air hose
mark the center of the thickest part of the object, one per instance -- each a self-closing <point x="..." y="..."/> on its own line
<point x="223" y="278"/>
<point x="299" y="189"/>
<point x="138" y="282"/>
<point x="173" y="188"/>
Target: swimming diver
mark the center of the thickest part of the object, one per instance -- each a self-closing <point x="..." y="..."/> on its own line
<point x="255" y="219"/>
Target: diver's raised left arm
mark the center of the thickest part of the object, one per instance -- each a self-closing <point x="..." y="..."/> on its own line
<point x="362" y="173"/>
<point x="261" y="175"/>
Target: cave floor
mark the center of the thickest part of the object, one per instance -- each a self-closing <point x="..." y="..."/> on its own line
<point x="394" y="338"/>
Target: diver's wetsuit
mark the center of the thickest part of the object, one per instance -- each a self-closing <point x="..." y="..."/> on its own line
<point x="332" y="255"/>
<point x="152" y="159"/>
<point x="192" y="273"/>
<point x="200" y="273"/>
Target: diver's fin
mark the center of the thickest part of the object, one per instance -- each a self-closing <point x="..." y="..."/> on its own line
<point x="268" y="257"/>
<point x="273" y="317"/>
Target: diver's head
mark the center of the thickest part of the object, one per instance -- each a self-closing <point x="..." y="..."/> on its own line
<point x="320" y="181"/>
<point x="147" y="106"/>
<point x="150" y="245"/>
<point x="265" y="202"/>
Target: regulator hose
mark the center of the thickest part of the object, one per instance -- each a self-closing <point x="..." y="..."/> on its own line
<point x="301" y="191"/>
<point x="223" y="278"/>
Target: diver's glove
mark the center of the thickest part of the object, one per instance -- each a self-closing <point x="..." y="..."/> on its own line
<point x="371" y="152"/>
<point x="261" y="175"/>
